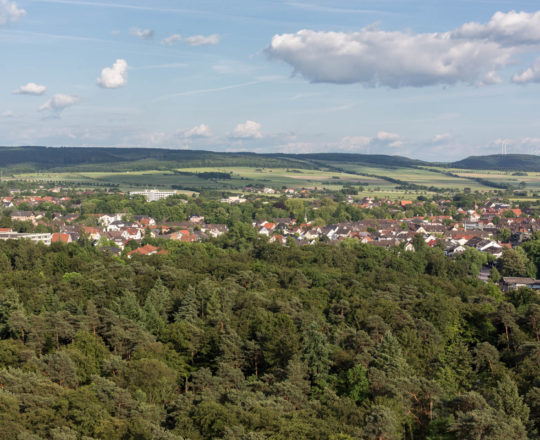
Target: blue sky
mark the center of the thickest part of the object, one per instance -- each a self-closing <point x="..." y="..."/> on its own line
<point x="437" y="80"/>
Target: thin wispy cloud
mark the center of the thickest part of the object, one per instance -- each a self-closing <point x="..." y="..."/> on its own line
<point x="170" y="40"/>
<point x="211" y="90"/>
<point x="160" y="66"/>
<point x="120" y="6"/>
<point x="145" y="34"/>
<point x="330" y="9"/>
<point x="15" y="35"/>
<point x="10" y="114"/>
<point x="330" y="109"/>
<point x="203" y="40"/>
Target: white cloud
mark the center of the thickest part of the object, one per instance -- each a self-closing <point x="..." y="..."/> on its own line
<point x="355" y="142"/>
<point x="199" y="131"/>
<point x="30" y="89"/>
<point x="298" y="148"/>
<point x="490" y="78"/>
<point x="395" y="59"/>
<point x="115" y="76"/>
<point x="170" y="40"/>
<point x="441" y="138"/>
<point x="10" y="114"/>
<point x="202" y="40"/>
<point x="10" y="12"/>
<point x="145" y="34"/>
<point x="532" y="74"/>
<point x="247" y="130"/>
<point x="384" y="136"/>
<point x="59" y="102"/>
<point x="381" y="140"/>
<point x="511" y="28"/>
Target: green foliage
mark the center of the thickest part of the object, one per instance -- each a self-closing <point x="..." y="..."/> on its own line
<point x="242" y="339"/>
<point x="515" y="263"/>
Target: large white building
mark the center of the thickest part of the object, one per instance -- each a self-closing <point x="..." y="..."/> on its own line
<point x="153" y="194"/>
<point x="35" y="237"/>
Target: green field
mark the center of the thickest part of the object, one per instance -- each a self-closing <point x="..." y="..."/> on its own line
<point x="531" y="180"/>
<point x="334" y="177"/>
<point x="240" y="178"/>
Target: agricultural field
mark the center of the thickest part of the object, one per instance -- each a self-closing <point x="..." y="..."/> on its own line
<point x="187" y="178"/>
<point x="530" y="179"/>
<point x="370" y="178"/>
<point x="288" y="177"/>
<point x="418" y="176"/>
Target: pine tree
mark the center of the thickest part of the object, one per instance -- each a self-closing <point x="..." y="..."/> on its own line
<point x="316" y="353"/>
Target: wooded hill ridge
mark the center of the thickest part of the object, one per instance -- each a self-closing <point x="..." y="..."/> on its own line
<point x="49" y="158"/>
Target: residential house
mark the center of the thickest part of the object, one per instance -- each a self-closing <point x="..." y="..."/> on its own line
<point x="514" y="283"/>
<point x="23" y="216"/>
<point x="146" y="251"/>
<point x="59" y="237"/>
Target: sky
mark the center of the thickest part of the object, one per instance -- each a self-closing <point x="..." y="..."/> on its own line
<point x="429" y="79"/>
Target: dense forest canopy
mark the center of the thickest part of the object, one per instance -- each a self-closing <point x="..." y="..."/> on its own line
<point x="238" y="338"/>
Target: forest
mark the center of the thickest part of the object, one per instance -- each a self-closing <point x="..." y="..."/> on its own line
<point x="241" y="339"/>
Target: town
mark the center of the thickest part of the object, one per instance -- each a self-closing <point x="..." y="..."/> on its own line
<point x="148" y="222"/>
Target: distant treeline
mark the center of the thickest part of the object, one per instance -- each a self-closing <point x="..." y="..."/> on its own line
<point x="485" y="182"/>
<point x="206" y="175"/>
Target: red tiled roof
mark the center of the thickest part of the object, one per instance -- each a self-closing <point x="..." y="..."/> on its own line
<point x="147" y="250"/>
<point x="59" y="237"/>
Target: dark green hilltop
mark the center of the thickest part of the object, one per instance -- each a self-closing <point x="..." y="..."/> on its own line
<point x="122" y="159"/>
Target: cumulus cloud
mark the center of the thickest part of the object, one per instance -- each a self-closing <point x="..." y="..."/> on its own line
<point x="395" y="59"/>
<point x="170" y="40"/>
<point x="510" y="28"/>
<point x="145" y="34"/>
<point x="202" y="40"/>
<point x="532" y="74"/>
<point x="30" y="89"/>
<point x="59" y="102"/>
<point x="199" y="131"/>
<point x="471" y="54"/>
<point x="115" y="76"/>
<point x="247" y="130"/>
<point x="10" y="12"/>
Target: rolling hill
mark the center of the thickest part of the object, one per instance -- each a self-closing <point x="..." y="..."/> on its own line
<point x="122" y="159"/>
<point x="508" y="162"/>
